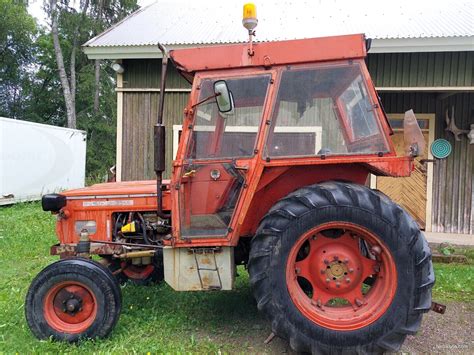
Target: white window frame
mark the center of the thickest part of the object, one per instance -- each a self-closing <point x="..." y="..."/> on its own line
<point x="317" y="130"/>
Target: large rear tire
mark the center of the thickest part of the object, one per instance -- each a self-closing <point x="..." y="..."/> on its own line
<point x="340" y="268"/>
<point x="73" y="299"/>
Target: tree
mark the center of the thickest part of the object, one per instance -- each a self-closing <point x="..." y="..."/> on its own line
<point x="68" y="83"/>
<point x="106" y="13"/>
<point x="92" y="16"/>
<point x="17" y="49"/>
<point x="46" y="78"/>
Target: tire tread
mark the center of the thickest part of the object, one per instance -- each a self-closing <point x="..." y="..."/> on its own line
<point x="304" y="200"/>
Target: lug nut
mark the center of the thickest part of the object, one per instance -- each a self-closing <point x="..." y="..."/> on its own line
<point x="338" y="284"/>
<point x="326" y="261"/>
<point x="346" y="261"/>
<point x="351" y="270"/>
<point x="348" y="280"/>
<point x="323" y="271"/>
<point x="328" y="280"/>
<point x="358" y="302"/>
<point x="336" y="257"/>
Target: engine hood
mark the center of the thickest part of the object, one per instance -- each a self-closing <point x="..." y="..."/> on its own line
<point x="145" y="187"/>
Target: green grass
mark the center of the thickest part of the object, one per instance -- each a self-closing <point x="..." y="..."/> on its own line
<point x="454" y="282"/>
<point x="154" y="318"/>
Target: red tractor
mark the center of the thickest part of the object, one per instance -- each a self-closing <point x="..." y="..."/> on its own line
<point x="277" y="145"/>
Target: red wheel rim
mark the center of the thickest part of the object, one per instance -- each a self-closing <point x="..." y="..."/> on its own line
<point x="70" y="307"/>
<point x="325" y="276"/>
<point x="137" y="272"/>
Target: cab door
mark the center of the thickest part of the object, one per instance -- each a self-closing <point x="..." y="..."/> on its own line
<point x="219" y="150"/>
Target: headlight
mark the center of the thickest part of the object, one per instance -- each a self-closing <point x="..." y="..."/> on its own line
<point x="90" y="226"/>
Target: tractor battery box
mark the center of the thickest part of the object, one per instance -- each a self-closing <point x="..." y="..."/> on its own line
<point x="198" y="269"/>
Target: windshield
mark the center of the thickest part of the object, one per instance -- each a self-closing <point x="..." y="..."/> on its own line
<point x="324" y="110"/>
<point x="228" y="135"/>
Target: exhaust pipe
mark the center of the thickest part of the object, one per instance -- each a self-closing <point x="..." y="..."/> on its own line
<point x="159" y="138"/>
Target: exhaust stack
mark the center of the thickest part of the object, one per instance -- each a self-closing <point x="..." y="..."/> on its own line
<point x="159" y="138"/>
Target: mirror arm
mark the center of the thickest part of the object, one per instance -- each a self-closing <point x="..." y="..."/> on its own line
<point x="206" y="99"/>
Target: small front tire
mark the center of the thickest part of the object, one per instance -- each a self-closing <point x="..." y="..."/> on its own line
<point x="73" y="299"/>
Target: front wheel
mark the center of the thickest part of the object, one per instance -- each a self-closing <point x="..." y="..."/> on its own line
<point x="339" y="268"/>
<point x="73" y="299"/>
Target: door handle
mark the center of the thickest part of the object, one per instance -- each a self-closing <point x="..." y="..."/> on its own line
<point x="243" y="167"/>
<point x="239" y="167"/>
<point x="190" y="173"/>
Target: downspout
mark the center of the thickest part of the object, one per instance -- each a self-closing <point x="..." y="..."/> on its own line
<point x="159" y="138"/>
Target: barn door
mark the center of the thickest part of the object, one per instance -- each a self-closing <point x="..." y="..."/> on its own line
<point x="411" y="192"/>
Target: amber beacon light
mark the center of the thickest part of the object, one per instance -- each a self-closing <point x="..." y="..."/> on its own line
<point x="250" y="21"/>
<point x="250" y="16"/>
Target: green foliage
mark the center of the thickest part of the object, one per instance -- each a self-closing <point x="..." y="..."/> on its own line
<point x="45" y="101"/>
<point x="446" y="249"/>
<point x="17" y="32"/>
<point x="30" y="88"/>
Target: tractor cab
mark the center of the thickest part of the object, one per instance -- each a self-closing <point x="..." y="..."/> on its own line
<point x="249" y="114"/>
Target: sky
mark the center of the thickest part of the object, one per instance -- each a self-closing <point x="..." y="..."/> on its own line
<point x="35" y="9"/>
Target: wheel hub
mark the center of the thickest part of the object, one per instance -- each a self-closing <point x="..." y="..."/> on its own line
<point x="339" y="267"/>
<point x="336" y="270"/>
<point x="70" y="307"/>
<point x="73" y="305"/>
<point x="326" y="276"/>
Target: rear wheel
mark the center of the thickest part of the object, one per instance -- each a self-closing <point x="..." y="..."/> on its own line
<point x="142" y="274"/>
<point x="73" y="299"/>
<point x="138" y="274"/>
<point x="340" y="268"/>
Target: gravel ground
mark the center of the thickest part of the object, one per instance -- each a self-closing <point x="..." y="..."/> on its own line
<point x="451" y="333"/>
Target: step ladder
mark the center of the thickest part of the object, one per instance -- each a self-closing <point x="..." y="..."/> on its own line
<point x="199" y="268"/>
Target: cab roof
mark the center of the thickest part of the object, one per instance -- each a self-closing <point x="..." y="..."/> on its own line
<point x="267" y="54"/>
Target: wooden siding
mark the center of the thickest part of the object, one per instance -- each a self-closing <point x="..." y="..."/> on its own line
<point x="453" y="180"/>
<point x="422" y="69"/>
<point x="453" y="203"/>
<point x="146" y="73"/>
<point x="140" y="110"/>
<point x="139" y="115"/>
<point x="387" y="70"/>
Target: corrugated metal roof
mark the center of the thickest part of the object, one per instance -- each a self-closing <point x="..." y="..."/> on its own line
<point x="181" y="22"/>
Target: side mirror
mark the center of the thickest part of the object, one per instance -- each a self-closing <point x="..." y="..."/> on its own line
<point x="414" y="141"/>
<point x="224" y="99"/>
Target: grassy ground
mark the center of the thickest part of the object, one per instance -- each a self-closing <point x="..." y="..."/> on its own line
<point x="155" y="318"/>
